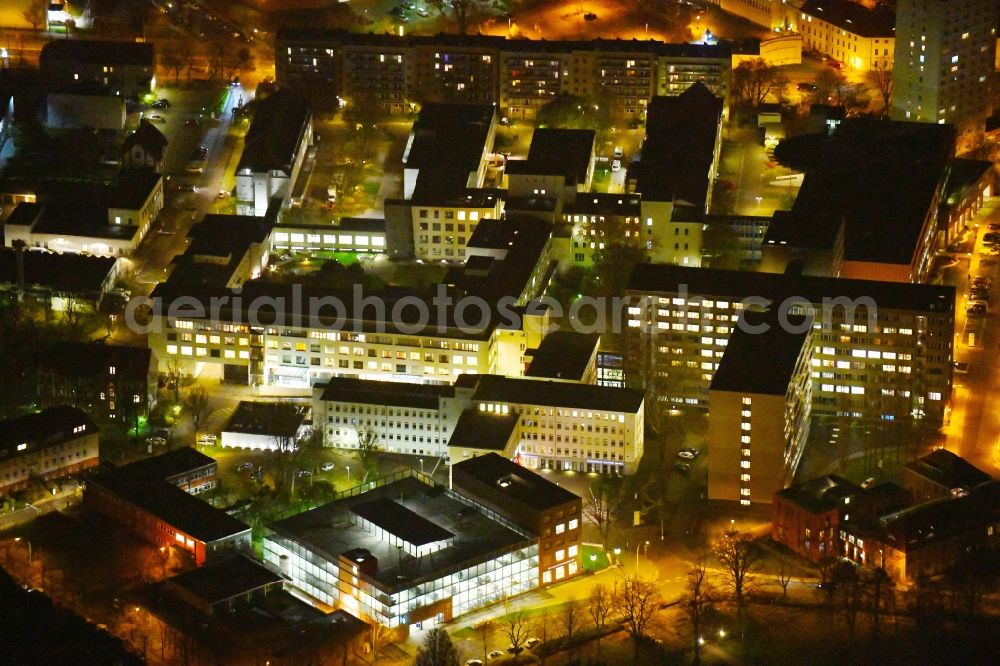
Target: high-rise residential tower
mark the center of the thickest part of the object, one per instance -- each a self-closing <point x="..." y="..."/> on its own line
<point x="944" y="61"/>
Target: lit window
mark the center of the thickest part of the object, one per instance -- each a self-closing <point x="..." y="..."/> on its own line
<point x="573" y="524"/>
<point x="560" y="528"/>
<point x="560" y="555"/>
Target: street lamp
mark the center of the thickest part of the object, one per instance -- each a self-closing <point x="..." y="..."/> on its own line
<point x="348" y="473"/>
<point x="421" y="465"/>
<point x="18" y="540"/>
<point x="618" y="552"/>
<point x="637" y="547"/>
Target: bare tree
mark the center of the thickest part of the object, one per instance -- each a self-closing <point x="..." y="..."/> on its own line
<point x="379" y="635"/>
<point x="571" y="619"/>
<point x="177" y="57"/>
<point x="197" y="403"/>
<point x="784" y="573"/>
<point x="754" y="80"/>
<point x="484" y="632"/>
<point x="175" y="372"/>
<point x="599" y="608"/>
<point x="36" y="13"/>
<point x="700" y="596"/>
<point x="880" y="78"/>
<point x="740" y="557"/>
<point x="603" y="504"/>
<point x="515" y="626"/>
<point x="636" y="601"/>
<point x="850" y="590"/>
<point x="368" y="452"/>
<point x="881" y="593"/>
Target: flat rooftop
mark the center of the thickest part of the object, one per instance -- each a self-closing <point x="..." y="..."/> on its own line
<point x="600" y="203"/>
<point x="396" y="394"/>
<point x="450" y="137"/>
<point x="720" y="283"/>
<point x="67" y="272"/>
<point x="762" y="363"/>
<point x="495" y="388"/>
<point x="483" y="430"/>
<point x="401" y="522"/>
<point x="518" y="484"/>
<point x="948" y="470"/>
<point x="169" y="464"/>
<point x="97" y="52"/>
<point x="852" y="17"/>
<point x="331" y="530"/>
<point x="41" y="429"/>
<point x="564" y="152"/>
<point x="563" y="355"/>
<point x="224" y="579"/>
<point x="279" y="122"/>
<point x="279" y="419"/>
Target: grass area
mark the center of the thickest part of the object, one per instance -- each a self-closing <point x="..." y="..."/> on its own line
<point x="594" y="559"/>
<point x="370" y="187"/>
<point x="344" y="258"/>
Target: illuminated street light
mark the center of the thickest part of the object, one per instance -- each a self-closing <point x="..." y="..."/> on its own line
<point x="18" y="540"/>
<point x="722" y="633"/>
<point x="637" y="547"/>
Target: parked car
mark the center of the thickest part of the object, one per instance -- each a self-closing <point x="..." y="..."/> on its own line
<point x="192" y="122"/>
<point x="686" y="455"/>
<point x="327" y="466"/>
<point x="618" y="154"/>
<point x="616" y="165"/>
<point x="806" y="86"/>
<point x="302" y="473"/>
<point x="694" y="452"/>
<point x="208" y="439"/>
<point x="244" y="465"/>
<point x="496" y="654"/>
<point x="682" y="467"/>
<point x="590" y="16"/>
<point x="156" y="118"/>
<point x="474" y="662"/>
<point x="532" y="643"/>
<point x="982" y="281"/>
<point x="161" y="104"/>
<point x="976" y="310"/>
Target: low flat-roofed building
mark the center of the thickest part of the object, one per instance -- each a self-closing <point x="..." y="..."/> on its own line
<point x="110" y="381"/>
<point x="479" y="433"/>
<point x="792" y="245"/>
<point x="226" y="250"/>
<point x="158" y="508"/>
<point x="62" y="281"/>
<point x="273" y="151"/>
<point x="127" y="68"/>
<point x="565" y="356"/>
<point x="941" y="473"/>
<point x="52" y="443"/>
<point x="548" y="511"/>
<point x="266" y="426"/>
<point x="351" y="234"/>
<point x="560" y="163"/>
<point x="759" y="403"/>
<point x="187" y="468"/>
<point x="449" y="138"/>
<point x="100" y="219"/>
<point x="404" y="552"/>
<point x="225" y="584"/>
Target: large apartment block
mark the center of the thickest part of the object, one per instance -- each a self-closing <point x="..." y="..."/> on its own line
<point x="394" y="73"/>
<point x="945" y="52"/>
<point x="882" y="350"/>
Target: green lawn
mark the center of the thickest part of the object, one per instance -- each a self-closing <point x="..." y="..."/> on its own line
<point x="594" y="559"/>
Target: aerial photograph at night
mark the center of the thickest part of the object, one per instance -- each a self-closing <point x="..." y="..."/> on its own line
<point x="499" y="332"/>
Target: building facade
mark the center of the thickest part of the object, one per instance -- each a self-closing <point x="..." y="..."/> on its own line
<point x="394" y="74"/>
<point x="881" y="350"/>
<point x="50" y="444"/>
<point x="944" y="62"/>
<point x="854" y="35"/>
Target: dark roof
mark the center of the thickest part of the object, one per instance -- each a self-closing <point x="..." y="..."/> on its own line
<point x="168" y="465"/>
<point x="788" y="228"/>
<point x="679" y="150"/>
<point x="48" y="427"/>
<point x="399" y="394"/>
<point x="525" y="240"/>
<point x="518" y="484"/>
<point x="929" y="523"/>
<point x="369" y="224"/>
<point x="279" y="121"/>
<point x="70" y="273"/>
<point x="882" y="177"/>
<point x="761" y="362"/>
<point x="563" y="355"/>
<point x="820" y="495"/>
<point x="450" y="137"/>
<point x="710" y="282"/>
<point x="853" y="17"/>
<point x="494" y="388"/>
<point x="89" y="359"/>
<point x="147" y="136"/>
<point x="228" y="234"/>
<point x="401" y="522"/>
<point x="599" y="203"/>
<point x="483" y="430"/>
<point x="961" y="175"/>
<point x="653" y="47"/>
<point x="169" y="503"/>
<point x="97" y="52"/>
<point x="565" y="152"/>
<point x="225" y="579"/>
<point x="947" y="470"/>
<point x="281" y="419"/>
